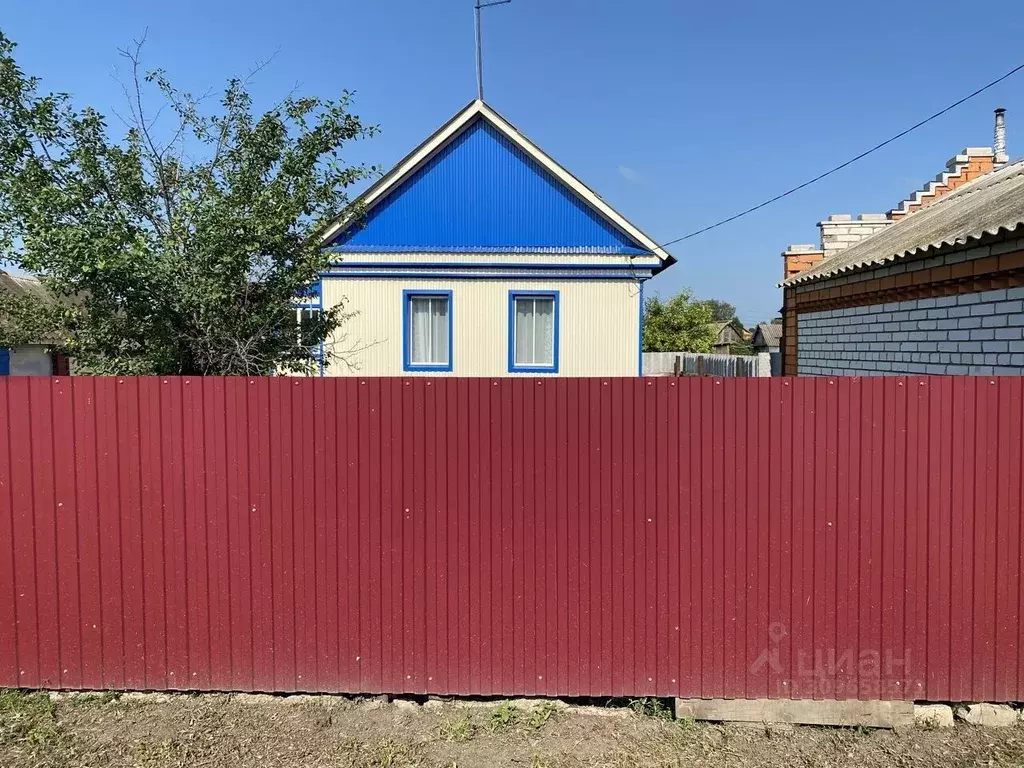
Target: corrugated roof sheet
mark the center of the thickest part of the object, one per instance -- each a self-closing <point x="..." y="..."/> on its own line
<point x="483" y="191"/>
<point x="987" y="205"/>
<point x="23" y="286"/>
<point x="771" y="333"/>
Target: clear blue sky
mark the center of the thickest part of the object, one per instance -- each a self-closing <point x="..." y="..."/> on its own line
<point x="678" y="114"/>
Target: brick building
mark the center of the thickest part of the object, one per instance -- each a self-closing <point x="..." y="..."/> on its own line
<point x="936" y="286"/>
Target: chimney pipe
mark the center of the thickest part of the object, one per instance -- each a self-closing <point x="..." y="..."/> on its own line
<point x="999" y="145"/>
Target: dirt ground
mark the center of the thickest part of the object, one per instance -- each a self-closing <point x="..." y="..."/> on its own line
<point x="165" y="731"/>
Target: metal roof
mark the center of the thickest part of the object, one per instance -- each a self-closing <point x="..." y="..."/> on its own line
<point x="985" y="206"/>
<point x="481" y="189"/>
<point x="479" y="112"/>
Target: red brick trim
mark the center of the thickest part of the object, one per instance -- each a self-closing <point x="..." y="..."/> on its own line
<point x="924" y="284"/>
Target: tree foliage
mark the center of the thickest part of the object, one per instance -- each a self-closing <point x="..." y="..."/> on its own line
<point x="721" y="311"/>
<point x="679" y="324"/>
<point x="180" y="248"/>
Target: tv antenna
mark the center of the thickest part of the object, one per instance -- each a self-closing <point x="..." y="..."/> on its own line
<point x="479" y="47"/>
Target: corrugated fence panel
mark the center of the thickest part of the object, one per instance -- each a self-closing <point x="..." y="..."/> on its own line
<point x="804" y="538"/>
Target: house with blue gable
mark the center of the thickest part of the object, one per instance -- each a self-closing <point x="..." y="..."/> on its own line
<point x="479" y="255"/>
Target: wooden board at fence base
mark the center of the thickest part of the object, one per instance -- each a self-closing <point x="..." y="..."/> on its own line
<point x="875" y="714"/>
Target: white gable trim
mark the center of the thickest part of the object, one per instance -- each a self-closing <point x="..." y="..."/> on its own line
<point x="478" y="108"/>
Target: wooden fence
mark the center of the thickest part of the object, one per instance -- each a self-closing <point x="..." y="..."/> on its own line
<point x="697" y="364"/>
<point x="793" y="538"/>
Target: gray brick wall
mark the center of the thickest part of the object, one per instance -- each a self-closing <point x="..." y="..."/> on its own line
<point x="971" y="334"/>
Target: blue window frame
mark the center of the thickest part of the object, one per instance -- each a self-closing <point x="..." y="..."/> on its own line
<point x="533" y="331"/>
<point x="427" y="341"/>
<point x="308" y="306"/>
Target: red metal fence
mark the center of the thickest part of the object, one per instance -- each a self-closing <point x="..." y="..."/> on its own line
<point x="693" y="537"/>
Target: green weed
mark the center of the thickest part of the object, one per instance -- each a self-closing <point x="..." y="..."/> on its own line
<point x="651" y="707"/>
<point x="504" y="717"/>
<point x="457" y="729"/>
<point x="540" y="714"/>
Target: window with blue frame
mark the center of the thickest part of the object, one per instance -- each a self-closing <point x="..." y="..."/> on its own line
<point x="533" y="332"/>
<point x="427" y="330"/>
<point x="308" y="318"/>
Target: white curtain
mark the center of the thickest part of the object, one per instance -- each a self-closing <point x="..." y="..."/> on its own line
<point x="428" y="331"/>
<point x="535" y="331"/>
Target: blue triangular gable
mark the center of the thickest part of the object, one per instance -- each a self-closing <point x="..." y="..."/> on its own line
<point x="481" y="192"/>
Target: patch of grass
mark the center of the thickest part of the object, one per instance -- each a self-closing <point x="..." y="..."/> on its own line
<point x="96" y="698"/>
<point x="504" y="717"/>
<point x="27" y="719"/>
<point x="392" y="754"/>
<point x="384" y="754"/>
<point x="28" y="725"/>
<point x="457" y="729"/>
<point x="162" y="755"/>
<point x="540" y="714"/>
<point x="651" y="707"/>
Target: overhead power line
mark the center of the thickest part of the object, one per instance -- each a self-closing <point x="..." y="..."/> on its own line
<point x="849" y="162"/>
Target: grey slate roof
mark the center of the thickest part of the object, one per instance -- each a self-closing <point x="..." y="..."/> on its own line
<point x="987" y="205"/>
<point x="23" y="286"/>
<point x="771" y="334"/>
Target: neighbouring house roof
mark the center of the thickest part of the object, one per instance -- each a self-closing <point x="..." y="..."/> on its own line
<point x="23" y="285"/>
<point x="961" y="168"/>
<point x="988" y="205"/>
<point x="721" y="332"/>
<point x="768" y="335"/>
<point x="478" y="185"/>
<point x="26" y="286"/>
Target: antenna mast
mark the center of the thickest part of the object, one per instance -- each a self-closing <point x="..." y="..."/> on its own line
<point x="479" y="46"/>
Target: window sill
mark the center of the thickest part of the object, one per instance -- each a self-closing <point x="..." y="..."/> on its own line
<point x="427" y="369"/>
<point x="532" y="369"/>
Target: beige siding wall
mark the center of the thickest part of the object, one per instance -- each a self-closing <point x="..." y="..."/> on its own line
<point x="598" y="325"/>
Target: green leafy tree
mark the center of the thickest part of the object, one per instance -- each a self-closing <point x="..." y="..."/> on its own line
<point x="679" y="324"/>
<point x="180" y="248"/>
<point x="741" y="348"/>
<point x="721" y="311"/>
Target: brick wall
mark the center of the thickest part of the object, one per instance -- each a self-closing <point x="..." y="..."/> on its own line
<point x="956" y="312"/>
<point x="841" y="230"/>
<point x="966" y="166"/>
<point x="968" y="334"/>
<point x="797" y="258"/>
